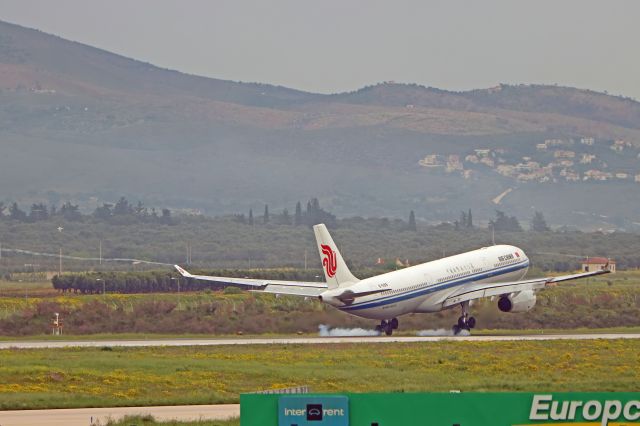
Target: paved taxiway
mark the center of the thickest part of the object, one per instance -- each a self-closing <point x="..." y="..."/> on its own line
<point x="88" y="416"/>
<point x="301" y="340"/>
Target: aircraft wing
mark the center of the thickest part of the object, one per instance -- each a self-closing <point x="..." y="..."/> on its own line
<point x="478" y="290"/>
<point x="294" y="288"/>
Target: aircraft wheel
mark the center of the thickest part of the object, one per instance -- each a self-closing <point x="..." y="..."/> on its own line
<point x="456" y="329"/>
<point x="394" y="323"/>
<point x="461" y="322"/>
<point x="379" y="328"/>
<point x="388" y="331"/>
<point x="471" y="322"/>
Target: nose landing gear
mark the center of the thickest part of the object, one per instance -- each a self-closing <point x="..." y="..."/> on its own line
<point x="387" y="326"/>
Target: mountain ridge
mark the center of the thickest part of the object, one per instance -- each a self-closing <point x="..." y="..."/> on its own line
<point x="469" y="98"/>
<point x="82" y="113"/>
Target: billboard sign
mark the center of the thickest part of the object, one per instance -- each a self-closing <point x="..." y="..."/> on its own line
<point x="447" y="409"/>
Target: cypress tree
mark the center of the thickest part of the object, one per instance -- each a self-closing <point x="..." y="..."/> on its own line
<point x="538" y="223"/>
<point x="297" y="219"/>
<point x="286" y="219"/>
<point x="463" y="219"/>
<point x="412" y="222"/>
<point x="16" y="214"/>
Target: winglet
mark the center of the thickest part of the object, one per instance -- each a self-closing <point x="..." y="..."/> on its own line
<point x="183" y="272"/>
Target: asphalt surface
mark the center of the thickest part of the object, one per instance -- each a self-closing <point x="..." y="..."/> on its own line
<point x="89" y="416"/>
<point x="301" y="340"/>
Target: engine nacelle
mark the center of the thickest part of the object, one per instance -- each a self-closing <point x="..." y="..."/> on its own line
<point x="522" y="302"/>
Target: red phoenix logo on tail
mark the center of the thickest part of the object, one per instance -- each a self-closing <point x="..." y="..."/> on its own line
<point x="329" y="260"/>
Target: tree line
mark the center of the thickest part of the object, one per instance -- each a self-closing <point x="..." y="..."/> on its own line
<point x="122" y="212"/>
<point x="125" y="283"/>
<point x="161" y="282"/>
<point x="503" y="222"/>
<point x="312" y="215"/>
<point x="112" y="282"/>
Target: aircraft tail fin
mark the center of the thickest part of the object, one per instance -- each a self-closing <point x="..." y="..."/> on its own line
<point x="335" y="269"/>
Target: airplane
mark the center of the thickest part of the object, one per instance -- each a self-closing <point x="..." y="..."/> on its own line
<point x="495" y="271"/>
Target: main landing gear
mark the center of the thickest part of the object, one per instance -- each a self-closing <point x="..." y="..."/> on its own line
<point x="465" y="322"/>
<point x="387" y="326"/>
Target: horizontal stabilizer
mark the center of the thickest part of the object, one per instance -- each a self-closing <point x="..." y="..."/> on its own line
<point x="349" y="295"/>
<point x="339" y="297"/>
<point x="291" y="290"/>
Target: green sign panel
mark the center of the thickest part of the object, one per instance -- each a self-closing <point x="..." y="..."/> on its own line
<point x="448" y="409"/>
<point x="313" y="411"/>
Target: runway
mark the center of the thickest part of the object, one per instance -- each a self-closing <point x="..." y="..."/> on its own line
<point x="41" y="344"/>
<point x="90" y="416"/>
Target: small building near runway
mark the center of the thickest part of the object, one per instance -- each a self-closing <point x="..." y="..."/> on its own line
<point x="591" y="264"/>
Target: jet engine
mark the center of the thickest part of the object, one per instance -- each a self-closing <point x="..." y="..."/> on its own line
<point x="518" y="302"/>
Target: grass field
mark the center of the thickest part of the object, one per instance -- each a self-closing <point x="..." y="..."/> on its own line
<point x="610" y="302"/>
<point x="81" y="377"/>
<point x="29" y="288"/>
<point x="150" y="421"/>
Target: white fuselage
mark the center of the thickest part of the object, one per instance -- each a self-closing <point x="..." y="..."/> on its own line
<point x="423" y="288"/>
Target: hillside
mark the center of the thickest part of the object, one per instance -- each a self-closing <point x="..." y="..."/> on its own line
<point x="84" y="124"/>
<point x="565" y="101"/>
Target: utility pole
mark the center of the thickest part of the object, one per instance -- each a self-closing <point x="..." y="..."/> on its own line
<point x="60" y="229"/>
<point x="26" y="287"/>
<point x="100" y="252"/>
<point x="305" y="259"/>
<point x="178" y="280"/>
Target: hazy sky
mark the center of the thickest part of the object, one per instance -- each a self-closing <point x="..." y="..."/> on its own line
<point x="331" y="46"/>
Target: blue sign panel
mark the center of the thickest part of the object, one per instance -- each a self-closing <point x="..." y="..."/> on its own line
<point x="313" y="411"/>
